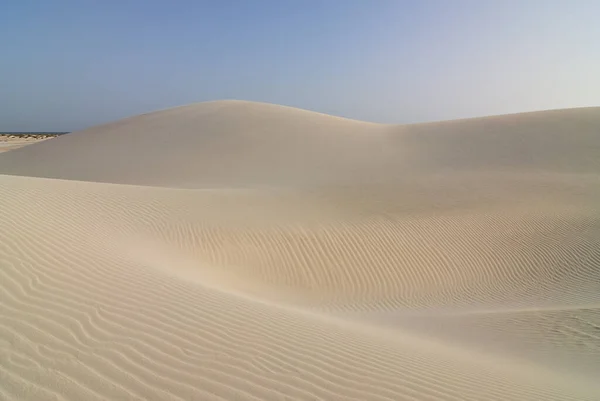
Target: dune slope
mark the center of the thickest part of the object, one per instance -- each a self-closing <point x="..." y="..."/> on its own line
<point x="246" y="144"/>
<point x="272" y="253"/>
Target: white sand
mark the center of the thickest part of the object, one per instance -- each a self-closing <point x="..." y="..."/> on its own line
<point x="235" y="250"/>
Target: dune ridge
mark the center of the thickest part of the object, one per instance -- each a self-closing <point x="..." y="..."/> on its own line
<point x="234" y="144"/>
<point x="273" y="253"/>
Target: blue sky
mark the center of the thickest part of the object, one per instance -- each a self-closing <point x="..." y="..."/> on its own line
<point x="69" y="64"/>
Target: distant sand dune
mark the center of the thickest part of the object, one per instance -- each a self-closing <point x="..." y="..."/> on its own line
<point x="243" y="144"/>
<point x="261" y="252"/>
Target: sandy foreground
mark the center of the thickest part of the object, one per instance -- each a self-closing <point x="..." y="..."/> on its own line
<point x="244" y="251"/>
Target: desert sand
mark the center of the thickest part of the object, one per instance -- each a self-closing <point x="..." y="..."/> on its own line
<point x="244" y="251"/>
<point x="11" y="141"/>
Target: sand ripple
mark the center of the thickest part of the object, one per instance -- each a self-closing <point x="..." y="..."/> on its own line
<point x="437" y="282"/>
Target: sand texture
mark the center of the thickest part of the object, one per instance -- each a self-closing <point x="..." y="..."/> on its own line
<point x="243" y="251"/>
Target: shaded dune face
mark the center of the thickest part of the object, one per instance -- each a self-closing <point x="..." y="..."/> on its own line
<point x="564" y="141"/>
<point x="238" y="250"/>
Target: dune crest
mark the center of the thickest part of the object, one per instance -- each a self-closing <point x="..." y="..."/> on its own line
<point x="237" y="144"/>
<point x="238" y="250"/>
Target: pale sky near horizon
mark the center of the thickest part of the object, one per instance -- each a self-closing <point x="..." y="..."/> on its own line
<point x="68" y="64"/>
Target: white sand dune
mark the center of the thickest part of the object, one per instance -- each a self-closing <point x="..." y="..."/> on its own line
<point x="236" y="250"/>
<point x="243" y="144"/>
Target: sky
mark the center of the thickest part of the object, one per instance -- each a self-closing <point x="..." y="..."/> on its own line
<point x="69" y="64"/>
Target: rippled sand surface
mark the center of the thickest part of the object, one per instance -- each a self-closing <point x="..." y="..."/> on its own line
<point x="244" y="251"/>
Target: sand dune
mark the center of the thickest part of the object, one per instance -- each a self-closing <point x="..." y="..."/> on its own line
<point x="237" y="250"/>
<point x="244" y="144"/>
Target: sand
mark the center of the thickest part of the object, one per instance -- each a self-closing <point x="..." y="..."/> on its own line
<point x="235" y="250"/>
<point x="12" y="141"/>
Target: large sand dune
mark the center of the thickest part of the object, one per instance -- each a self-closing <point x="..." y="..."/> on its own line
<point x="236" y="250"/>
